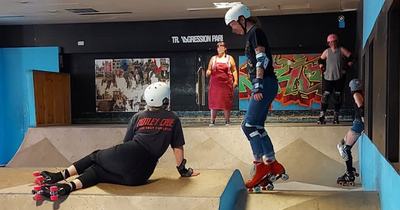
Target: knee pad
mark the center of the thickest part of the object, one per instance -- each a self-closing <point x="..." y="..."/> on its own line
<point x="251" y="131"/>
<point x="347" y="153"/>
<point x="337" y="97"/>
<point x="325" y="97"/>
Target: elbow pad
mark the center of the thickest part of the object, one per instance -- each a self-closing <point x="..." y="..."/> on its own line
<point x="321" y="61"/>
<point x="350" y="58"/>
<point x="262" y="60"/>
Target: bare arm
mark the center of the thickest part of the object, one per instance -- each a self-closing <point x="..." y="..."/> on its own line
<point x="323" y="56"/>
<point x="234" y="71"/>
<point x="178" y="153"/>
<point x="345" y="52"/>
<point x="208" y="72"/>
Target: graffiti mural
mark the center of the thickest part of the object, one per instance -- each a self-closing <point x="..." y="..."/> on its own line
<point x="299" y="79"/>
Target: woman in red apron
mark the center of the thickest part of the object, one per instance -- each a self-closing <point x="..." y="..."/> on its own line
<point x="223" y="79"/>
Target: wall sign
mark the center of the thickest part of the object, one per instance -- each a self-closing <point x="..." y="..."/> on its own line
<point x="197" y="39"/>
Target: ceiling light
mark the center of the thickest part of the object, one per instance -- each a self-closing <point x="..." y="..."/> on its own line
<point x="24" y="1"/>
<point x="52" y="11"/>
<point x="217" y="5"/>
<point x="221" y="5"/>
<point x="261" y="9"/>
<point x="294" y="6"/>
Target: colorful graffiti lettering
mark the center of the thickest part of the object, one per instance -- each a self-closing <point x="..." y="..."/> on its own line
<point x="299" y="79"/>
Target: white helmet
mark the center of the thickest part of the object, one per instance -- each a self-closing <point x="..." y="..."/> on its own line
<point x="156" y="93"/>
<point x="235" y="12"/>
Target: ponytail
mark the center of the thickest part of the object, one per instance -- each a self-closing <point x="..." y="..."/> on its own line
<point x="254" y="20"/>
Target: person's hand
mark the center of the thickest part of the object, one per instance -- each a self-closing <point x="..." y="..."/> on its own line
<point x="350" y="63"/>
<point x="258" y="96"/>
<point x="321" y="66"/>
<point x="208" y="73"/>
<point x="235" y="84"/>
<point x="195" y="173"/>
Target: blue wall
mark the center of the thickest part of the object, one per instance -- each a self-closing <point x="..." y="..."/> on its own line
<point x="18" y="92"/>
<point x="370" y="14"/>
<point x="378" y="175"/>
<point x="2" y="111"/>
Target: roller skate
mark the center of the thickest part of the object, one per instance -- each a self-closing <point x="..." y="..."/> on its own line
<point x="258" y="172"/>
<point x="347" y="179"/>
<point x="321" y="119"/>
<point x="336" y="118"/>
<point x="355" y="172"/>
<point x="52" y="191"/>
<point x="277" y="172"/>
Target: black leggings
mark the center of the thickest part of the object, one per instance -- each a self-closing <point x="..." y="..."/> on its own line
<point x="92" y="172"/>
<point x="332" y="87"/>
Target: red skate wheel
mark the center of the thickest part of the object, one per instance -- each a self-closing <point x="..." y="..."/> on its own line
<point x="250" y="190"/>
<point x="351" y="184"/>
<point x="54" y="198"/>
<point x="340" y="183"/>
<point x="36" y="173"/>
<point x="53" y="189"/>
<point x="37" y="188"/>
<point x="38" y="197"/>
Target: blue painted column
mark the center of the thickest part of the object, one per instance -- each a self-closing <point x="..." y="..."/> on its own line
<point x="18" y="100"/>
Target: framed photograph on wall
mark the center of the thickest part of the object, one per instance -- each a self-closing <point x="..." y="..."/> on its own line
<point x="120" y="83"/>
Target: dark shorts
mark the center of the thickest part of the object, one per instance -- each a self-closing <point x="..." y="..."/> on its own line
<point x="358" y="126"/>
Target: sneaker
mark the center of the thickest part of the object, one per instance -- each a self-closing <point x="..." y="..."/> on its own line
<point x="227" y="123"/>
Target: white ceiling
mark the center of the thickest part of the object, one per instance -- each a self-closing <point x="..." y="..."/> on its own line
<point x="54" y="11"/>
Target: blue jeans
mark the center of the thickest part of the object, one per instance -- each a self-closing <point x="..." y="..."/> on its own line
<point x="254" y="120"/>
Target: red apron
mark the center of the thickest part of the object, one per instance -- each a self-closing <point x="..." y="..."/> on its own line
<point x="220" y="92"/>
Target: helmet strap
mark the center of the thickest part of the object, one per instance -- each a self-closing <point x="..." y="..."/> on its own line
<point x="245" y="24"/>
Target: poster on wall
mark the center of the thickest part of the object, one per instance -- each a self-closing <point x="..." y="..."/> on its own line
<point x="299" y="81"/>
<point x="120" y="83"/>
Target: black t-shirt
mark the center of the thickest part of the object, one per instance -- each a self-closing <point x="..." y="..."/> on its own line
<point x="156" y="130"/>
<point x="256" y="37"/>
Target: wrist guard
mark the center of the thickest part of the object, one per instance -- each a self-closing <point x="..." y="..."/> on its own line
<point x="257" y="85"/>
<point x="183" y="171"/>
